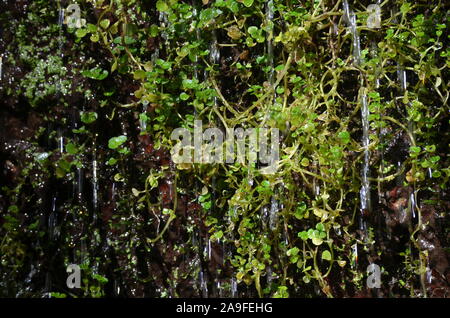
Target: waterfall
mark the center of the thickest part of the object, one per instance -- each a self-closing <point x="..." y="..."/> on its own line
<point x="350" y="18"/>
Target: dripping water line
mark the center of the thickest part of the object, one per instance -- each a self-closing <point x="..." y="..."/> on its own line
<point x="350" y="18"/>
<point x="203" y="286"/>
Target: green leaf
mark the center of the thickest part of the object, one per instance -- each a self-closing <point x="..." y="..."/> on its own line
<point x="207" y="15"/>
<point x="190" y="83"/>
<point x="154" y="30"/>
<point x="218" y="235"/>
<point x="247" y="3"/>
<point x="115" y="142"/>
<point x="95" y="73"/>
<point x="184" y="96"/>
<point x="71" y="148"/>
<point x="88" y="117"/>
<point x="305" y="162"/>
<point x="253" y="31"/>
<point x="317" y="241"/>
<point x="344" y="136"/>
<point x="436" y="174"/>
<point x="139" y="75"/>
<point x="100" y="278"/>
<point x="293" y="251"/>
<point x="303" y="235"/>
<point x="164" y="64"/>
<point x="326" y="255"/>
<point x="162" y="6"/>
<point x="405" y="8"/>
<point x="112" y="161"/>
<point x="91" y="28"/>
<point x="81" y="33"/>
<point x="300" y="210"/>
<point x="94" y="37"/>
<point x="320" y="227"/>
<point x="105" y="23"/>
<point x="435" y="159"/>
<point x="265" y="184"/>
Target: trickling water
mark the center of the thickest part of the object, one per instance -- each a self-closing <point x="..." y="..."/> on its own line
<point x="52" y="216"/>
<point x="209" y="249"/>
<point x="412" y="204"/>
<point x="273" y="214"/>
<point x="403" y="83"/>
<point x="401" y="74"/>
<point x="354" y="255"/>
<point x="214" y="52"/>
<point x="219" y="289"/>
<point x="269" y="22"/>
<point x="52" y="220"/>
<point x="61" y="143"/>
<point x="78" y="186"/>
<point x="365" y="186"/>
<point x="274" y="206"/>
<point x="94" y="188"/>
<point x="350" y="18"/>
<point x="234" y="289"/>
<point x="164" y="22"/>
<point x="429" y="275"/>
<point x="203" y="285"/>
<point x="214" y="59"/>
<point x="315" y="182"/>
<point x="143" y="121"/>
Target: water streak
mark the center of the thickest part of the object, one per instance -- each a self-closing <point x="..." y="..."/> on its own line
<point x="403" y="83"/>
<point x="234" y="288"/>
<point x="273" y="213"/>
<point x="274" y="206"/>
<point x="269" y="22"/>
<point x="350" y="18"/>
<point x="203" y="285"/>
<point x="94" y="188"/>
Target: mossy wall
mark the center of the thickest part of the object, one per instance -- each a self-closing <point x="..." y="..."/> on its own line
<point x="87" y="177"/>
